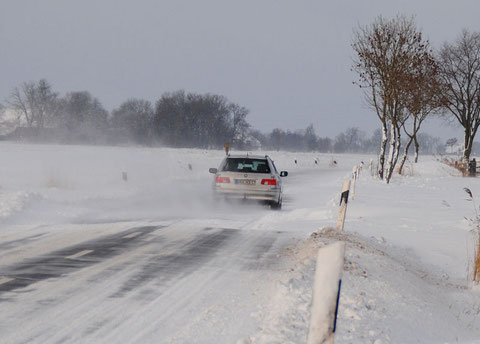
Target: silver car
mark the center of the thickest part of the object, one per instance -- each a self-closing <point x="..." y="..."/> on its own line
<point x="251" y="177"/>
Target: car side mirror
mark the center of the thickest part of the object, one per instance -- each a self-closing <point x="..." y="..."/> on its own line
<point x="283" y="174"/>
<point x="212" y="170"/>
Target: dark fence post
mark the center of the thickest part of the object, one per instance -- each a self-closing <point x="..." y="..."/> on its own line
<point x="472" y="168"/>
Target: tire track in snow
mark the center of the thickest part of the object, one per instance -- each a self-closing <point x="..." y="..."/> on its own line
<point x="185" y="260"/>
<point x="15" y="243"/>
<point x="64" y="261"/>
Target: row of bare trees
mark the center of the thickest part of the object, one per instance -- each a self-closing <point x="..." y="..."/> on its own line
<point x="200" y="120"/>
<point x="179" y="119"/>
<point x="351" y="140"/>
<point x="405" y="81"/>
<point x="38" y="107"/>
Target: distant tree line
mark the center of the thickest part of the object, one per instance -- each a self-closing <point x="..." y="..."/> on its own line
<point x="352" y="140"/>
<point x="195" y="120"/>
<point x="178" y="119"/>
<point x="41" y="114"/>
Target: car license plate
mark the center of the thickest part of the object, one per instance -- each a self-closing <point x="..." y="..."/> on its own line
<point x="245" y="181"/>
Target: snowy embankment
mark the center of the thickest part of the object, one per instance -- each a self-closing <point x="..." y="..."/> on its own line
<point x="407" y="255"/>
<point x="408" y="260"/>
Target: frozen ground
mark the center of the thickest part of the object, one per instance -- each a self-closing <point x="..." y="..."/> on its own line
<point x="86" y="256"/>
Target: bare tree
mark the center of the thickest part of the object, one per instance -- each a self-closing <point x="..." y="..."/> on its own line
<point x="240" y="126"/>
<point x="355" y="138"/>
<point x="311" y="140"/>
<point x="324" y="144"/>
<point x="277" y="138"/>
<point x="134" y="117"/>
<point x="46" y="104"/>
<point x="423" y="90"/>
<point x="35" y="101"/>
<point x="22" y="100"/>
<point x="351" y="140"/>
<point x="81" y="111"/>
<point x="460" y="71"/>
<point x="199" y="120"/>
<point x="385" y="52"/>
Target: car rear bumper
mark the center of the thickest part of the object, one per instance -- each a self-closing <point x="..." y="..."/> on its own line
<point x="260" y="195"/>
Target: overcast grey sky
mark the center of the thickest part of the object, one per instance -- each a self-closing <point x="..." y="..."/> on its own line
<point x="287" y="61"/>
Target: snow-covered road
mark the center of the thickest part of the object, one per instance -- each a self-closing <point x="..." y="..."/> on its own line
<point x="164" y="282"/>
<point x="88" y="257"/>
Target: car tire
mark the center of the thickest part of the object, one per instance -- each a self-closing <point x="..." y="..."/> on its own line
<point x="276" y="205"/>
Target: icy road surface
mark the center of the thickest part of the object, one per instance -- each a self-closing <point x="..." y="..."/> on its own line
<point x="142" y="284"/>
<point x="88" y="257"/>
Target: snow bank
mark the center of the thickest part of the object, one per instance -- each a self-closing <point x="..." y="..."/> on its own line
<point x="388" y="296"/>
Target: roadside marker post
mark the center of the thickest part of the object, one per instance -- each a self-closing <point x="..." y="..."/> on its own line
<point x="354" y="179"/>
<point x="326" y="293"/>
<point x="343" y="205"/>
<point x="355" y="175"/>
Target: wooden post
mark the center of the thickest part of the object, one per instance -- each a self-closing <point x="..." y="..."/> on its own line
<point x="472" y="168"/>
<point x="343" y="205"/>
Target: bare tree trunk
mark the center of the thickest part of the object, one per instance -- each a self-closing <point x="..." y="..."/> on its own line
<point x="405" y="154"/>
<point x="394" y="159"/>
<point x="468" y="143"/>
<point x="398" y="143"/>
<point x="383" y="149"/>
<point x="417" y="148"/>
<point x="391" y="152"/>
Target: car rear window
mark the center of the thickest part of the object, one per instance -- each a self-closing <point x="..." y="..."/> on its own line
<point x="246" y="165"/>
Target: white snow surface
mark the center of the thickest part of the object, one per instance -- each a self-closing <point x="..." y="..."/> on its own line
<point x="407" y="263"/>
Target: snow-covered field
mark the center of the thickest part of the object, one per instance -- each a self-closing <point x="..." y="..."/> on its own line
<point x="161" y="263"/>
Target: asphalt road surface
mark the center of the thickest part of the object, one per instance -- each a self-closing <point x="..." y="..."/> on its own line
<point x="150" y="283"/>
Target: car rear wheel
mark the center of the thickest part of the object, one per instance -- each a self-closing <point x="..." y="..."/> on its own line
<point x="276" y="205"/>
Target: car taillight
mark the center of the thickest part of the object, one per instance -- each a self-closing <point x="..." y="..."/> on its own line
<point x="222" y="179"/>
<point x="269" y="181"/>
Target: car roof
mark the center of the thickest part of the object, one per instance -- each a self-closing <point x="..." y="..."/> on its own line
<point x="248" y="156"/>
